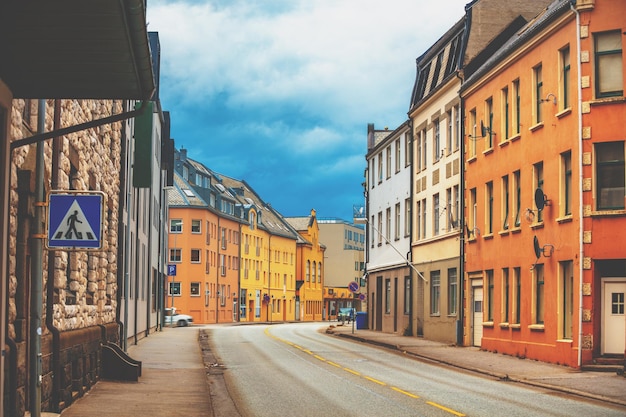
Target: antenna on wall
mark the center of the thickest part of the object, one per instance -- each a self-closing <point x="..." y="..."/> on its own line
<point x="545" y="250"/>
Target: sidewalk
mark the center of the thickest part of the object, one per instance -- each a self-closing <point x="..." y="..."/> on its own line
<point x="603" y="386"/>
<point x="179" y="376"/>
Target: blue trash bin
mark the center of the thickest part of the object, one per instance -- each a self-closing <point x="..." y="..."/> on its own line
<point x="361" y="320"/>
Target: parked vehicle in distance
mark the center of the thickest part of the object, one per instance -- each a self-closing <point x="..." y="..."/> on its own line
<point x="345" y="314"/>
<point x="180" y="320"/>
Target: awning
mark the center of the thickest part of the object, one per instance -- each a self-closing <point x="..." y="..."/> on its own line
<point x="75" y="49"/>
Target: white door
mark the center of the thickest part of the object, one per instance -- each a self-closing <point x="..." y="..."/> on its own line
<point x="477" y="315"/>
<point x="613" y="318"/>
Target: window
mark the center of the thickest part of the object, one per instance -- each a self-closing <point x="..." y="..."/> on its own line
<point x="517" y="197"/>
<point x="565" y="78"/>
<point x="424" y="153"/>
<point x="506" y="291"/>
<point x="435" y="214"/>
<point x="610" y="175"/>
<point x="308" y="271"/>
<point x="448" y="209"/>
<point x="174" y="288"/>
<point x="452" y="291"/>
<point x="539" y="298"/>
<point x="407" y="217"/>
<point x="517" y="121"/>
<point x="505" y="202"/>
<point x="435" y="291"/>
<point x="418" y="168"/>
<point x="538" y="93"/>
<point x="457" y="126"/>
<point x="388" y="167"/>
<point x="407" y="149"/>
<point x="398" y="222"/>
<point x="194" y="289"/>
<point x="418" y="210"/>
<point x="472" y="209"/>
<point x="608" y="64"/>
<point x="517" y="295"/>
<point x="424" y="219"/>
<point x="490" y="295"/>
<point x="456" y="209"/>
<point x="388" y="224"/>
<point x="175" y="255"/>
<point x="473" y="133"/>
<point x="437" y="140"/>
<point x="506" y="113"/>
<point x="538" y="179"/>
<point x="449" y="131"/>
<point x="398" y="155"/>
<point x="195" y="256"/>
<point x="566" y="183"/>
<point x="489" y="206"/>
<point x="387" y="296"/>
<point x="223" y="265"/>
<point x="380" y="167"/>
<point x="407" y="294"/>
<point x="567" y="300"/>
<point x="489" y="122"/>
<point x="176" y="226"/>
<point x="196" y="226"/>
<point x="380" y="228"/>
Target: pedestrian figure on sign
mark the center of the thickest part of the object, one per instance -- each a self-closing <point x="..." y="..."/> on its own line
<point x="71" y="221"/>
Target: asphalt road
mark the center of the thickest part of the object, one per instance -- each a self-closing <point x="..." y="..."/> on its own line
<point x="296" y="369"/>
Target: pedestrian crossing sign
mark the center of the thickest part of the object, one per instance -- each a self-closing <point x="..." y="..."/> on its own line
<point x="75" y="220"/>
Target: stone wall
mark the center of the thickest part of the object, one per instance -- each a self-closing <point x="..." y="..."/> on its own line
<point x="85" y="282"/>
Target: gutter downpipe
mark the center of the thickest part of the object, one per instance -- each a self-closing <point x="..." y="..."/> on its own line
<point x="56" y="334"/>
<point x="36" y="282"/>
<point x="580" y="185"/>
<point x="461" y="218"/>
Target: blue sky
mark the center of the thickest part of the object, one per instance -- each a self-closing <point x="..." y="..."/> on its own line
<point x="279" y="92"/>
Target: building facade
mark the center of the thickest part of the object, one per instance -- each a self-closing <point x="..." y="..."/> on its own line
<point x="545" y="189"/>
<point x="77" y="311"/>
<point x="390" y="279"/>
<point x="344" y="263"/>
<point x="309" y="268"/>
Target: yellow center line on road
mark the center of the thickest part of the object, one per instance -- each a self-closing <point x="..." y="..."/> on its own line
<point x="441" y="407"/>
<point x="401" y="391"/>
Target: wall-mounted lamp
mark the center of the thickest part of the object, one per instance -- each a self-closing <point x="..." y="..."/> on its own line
<point x="550" y="97"/>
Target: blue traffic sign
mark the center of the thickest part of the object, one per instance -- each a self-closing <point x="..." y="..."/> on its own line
<point x="353" y="286"/>
<point x="75" y="220"/>
<point x="171" y="270"/>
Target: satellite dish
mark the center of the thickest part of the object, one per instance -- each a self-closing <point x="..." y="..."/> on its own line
<point x="541" y="200"/>
<point x="483" y="129"/>
<point x="468" y="233"/>
<point x="537" y="247"/>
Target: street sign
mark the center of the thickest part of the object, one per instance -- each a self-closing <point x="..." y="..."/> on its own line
<point x="75" y="220"/>
<point x="353" y="286"/>
<point x="171" y="270"/>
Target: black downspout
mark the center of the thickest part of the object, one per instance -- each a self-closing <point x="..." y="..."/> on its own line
<point x="122" y="230"/>
<point x="56" y="334"/>
<point x="410" y="254"/>
<point x="137" y="263"/>
<point x="461" y="216"/>
<point x="148" y="288"/>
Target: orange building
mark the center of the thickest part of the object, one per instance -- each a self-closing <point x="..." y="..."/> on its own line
<point x="544" y="188"/>
<point x="309" y="268"/>
<point x="204" y="245"/>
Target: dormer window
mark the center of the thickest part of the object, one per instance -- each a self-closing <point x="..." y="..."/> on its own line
<point x="252" y="219"/>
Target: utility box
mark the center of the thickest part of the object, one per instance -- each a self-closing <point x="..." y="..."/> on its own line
<point x="361" y="320"/>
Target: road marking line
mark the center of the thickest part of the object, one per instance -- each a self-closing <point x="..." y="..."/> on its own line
<point x="408" y="394"/>
<point x="319" y="357"/>
<point x="441" y="407"/>
<point x="333" y="364"/>
<point x="351" y="371"/>
<point x="374" y="380"/>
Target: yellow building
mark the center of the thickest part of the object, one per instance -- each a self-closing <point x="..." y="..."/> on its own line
<point x="309" y="268"/>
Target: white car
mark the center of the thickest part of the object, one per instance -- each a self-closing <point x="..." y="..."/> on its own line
<point x="181" y="320"/>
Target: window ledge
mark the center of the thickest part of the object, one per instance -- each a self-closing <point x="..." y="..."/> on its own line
<point x="504" y="143"/>
<point x="536" y="226"/>
<point x="608" y="213"/>
<point x="488" y="151"/>
<point x="564" y="112"/>
<point x="488" y="236"/>
<point x="565" y="219"/>
<point x="569" y="341"/>
<point x="504" y="232"/>
<point x="516" y="229"/>
<point x="435" y="315"/>
<point x="537" y="327"/>
<point x="608" y="100"/>
<point x="536" y="127"/>
<point x="487" y="324"/>
<point x="515" y="137"/>
<point x="504" y="325"/>
<point x="515" y="326"/>
<point x="472" y="159"/>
